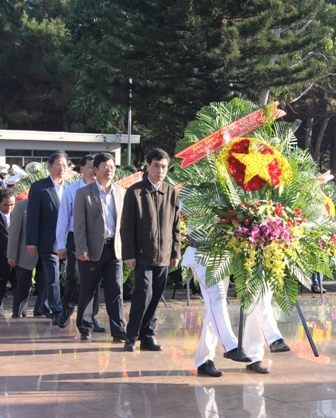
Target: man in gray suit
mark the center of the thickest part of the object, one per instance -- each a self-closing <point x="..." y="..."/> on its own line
<point x="24" y="263"/>
<point x="97" y="215"/>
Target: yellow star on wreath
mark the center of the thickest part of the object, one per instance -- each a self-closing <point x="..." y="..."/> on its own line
<point x="256" y="165"/>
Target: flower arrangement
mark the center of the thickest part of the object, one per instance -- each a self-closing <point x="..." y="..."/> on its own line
<point x="254" y="163"/>
<point x="257" y="212"/>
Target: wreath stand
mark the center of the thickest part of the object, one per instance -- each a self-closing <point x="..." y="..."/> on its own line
<point x="304" y="323"/>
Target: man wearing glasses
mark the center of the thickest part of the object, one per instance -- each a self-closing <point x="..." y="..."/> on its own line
<point x="97" y="216"/>
<point x="42" y="211"/>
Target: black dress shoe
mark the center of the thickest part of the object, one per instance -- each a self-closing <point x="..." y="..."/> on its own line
<point x="130" y="345"/>
<point x="233" y="355"/>
<point x="279" y="346"/>
<point x="120" y="338"/>
<point x="63" y="321"/>
<point x="258" y="367"/>
<point x="96" y="326"/>
<point x="54" y="320"/>
<point x="151" y="344"/>
<point x="85" y="337"/>
<point x="208" y="369"/>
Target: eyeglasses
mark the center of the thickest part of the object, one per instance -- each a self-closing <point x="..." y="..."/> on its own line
<point x="106" y="167"/>
<point x="65" y="167"/>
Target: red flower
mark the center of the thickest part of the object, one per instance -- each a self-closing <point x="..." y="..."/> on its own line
<point x="278" y="209"/>
<point x="231" y="212"/>
<point x="275" y="172"/>
<point x="246" y="220"/>
<point x="224" y="220"/>
<point x="243" y="205"/>
<point x="255" y="183"/>
<point x="297" y="212"/>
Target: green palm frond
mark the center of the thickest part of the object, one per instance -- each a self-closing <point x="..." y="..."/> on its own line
<point x="286" y="298"/>
<point x="219" y="267"/>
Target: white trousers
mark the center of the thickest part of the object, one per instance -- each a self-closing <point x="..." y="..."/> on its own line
<point x="260" y="326"/>
<point x="216" y="320"/>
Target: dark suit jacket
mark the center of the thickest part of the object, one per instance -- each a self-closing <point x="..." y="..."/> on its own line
<point x="42" y="212"/>
<point x="150" y="226"/>
<point x="5" y="268"/>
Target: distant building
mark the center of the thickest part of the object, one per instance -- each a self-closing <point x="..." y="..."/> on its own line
<point x="23" y="147"/>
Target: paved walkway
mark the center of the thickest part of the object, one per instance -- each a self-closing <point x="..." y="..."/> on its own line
<point x="46" y="372"/>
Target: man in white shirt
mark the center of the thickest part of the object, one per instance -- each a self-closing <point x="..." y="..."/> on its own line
<point x="64" y="232"/>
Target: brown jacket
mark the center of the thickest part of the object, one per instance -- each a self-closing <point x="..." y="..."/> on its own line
<point x="150" y="225"/>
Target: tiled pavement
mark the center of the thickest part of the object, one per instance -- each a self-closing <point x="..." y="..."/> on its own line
<point x="46" y="372"/>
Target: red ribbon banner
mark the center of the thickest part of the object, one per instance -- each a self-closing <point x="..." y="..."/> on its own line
<point x="128" y="181"/>
<point x="225" y="134"/>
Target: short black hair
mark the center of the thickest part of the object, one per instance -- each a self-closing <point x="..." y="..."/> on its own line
<point x="101" y="158"/>
<point x="85" y="159"/>
<point x="56" y="155"/>
<point x="157" y="154"/>
<point x="6" y="194"/>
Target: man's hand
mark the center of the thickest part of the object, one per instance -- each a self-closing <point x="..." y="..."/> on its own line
<point x="31" y="250"/>
<point x="174" y="262"/>
<point x="62" y="254"/>
<point x="324" y="178"/>
<point x="130" y="263"/>
<point x="11" y="262"/>
<point x="83" y="257"/>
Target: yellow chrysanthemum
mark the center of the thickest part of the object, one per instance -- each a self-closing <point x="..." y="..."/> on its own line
<point x="252" y="163"/>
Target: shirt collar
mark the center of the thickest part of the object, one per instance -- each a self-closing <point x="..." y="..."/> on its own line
<point x="58" y="185"/>
<point x="155" y="187"/>
<point x="101" y="188"/>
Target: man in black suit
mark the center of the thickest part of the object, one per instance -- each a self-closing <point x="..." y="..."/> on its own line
<point x="7" y="273"/>
<point x="42" y="211"/>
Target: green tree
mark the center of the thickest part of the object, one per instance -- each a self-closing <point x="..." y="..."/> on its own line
<point x="184" y="55"/>
<point x="37" y="79"/>
<point x="314" y="101"/>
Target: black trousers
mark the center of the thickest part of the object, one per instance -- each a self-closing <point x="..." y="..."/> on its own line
<point x="90" y="274"/>
<point x="71" y="285"/>
<point x="150" y="282"/>
<point x="21" y="292"/>
<point x="4" y="278"/>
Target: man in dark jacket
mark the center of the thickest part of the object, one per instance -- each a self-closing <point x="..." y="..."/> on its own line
<point x="150" y="234"/>
<point x="42" y="211"/>
<point x="7" y="273"/>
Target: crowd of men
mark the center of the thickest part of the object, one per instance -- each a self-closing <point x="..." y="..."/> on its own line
<point x="87" y="230"/>
<point x="78" y="229"/>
